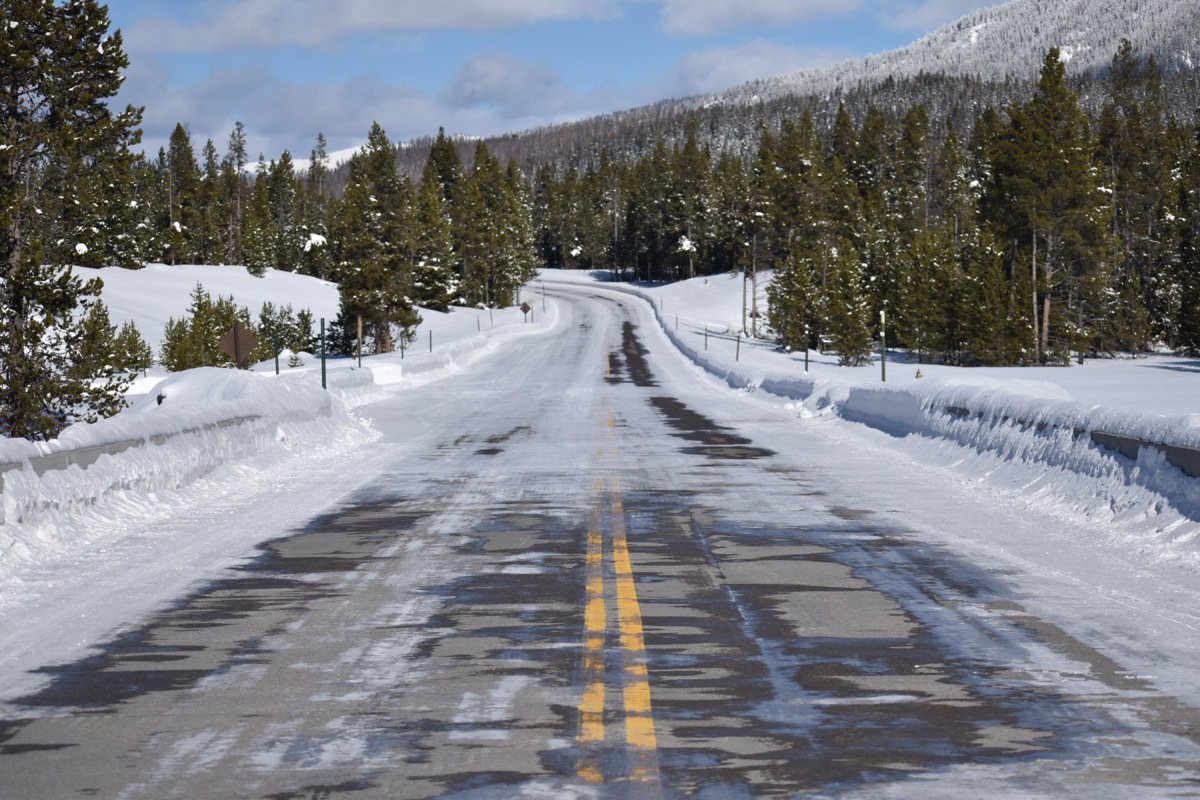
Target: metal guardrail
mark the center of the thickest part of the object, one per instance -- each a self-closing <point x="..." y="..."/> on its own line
<point x="1181" y="456"/>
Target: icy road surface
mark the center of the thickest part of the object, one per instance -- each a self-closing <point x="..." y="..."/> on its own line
<point x="585" y="570"/>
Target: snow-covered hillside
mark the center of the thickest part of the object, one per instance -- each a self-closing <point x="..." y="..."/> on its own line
<point x="150" y="296"/>
<point x="1012" y="39"/>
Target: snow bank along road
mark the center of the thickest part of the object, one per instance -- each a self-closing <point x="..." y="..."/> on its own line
<point x="586" y="570"/>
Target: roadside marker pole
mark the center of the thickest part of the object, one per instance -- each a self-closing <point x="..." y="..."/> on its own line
<point x="883" y="344"/>
<point x="738" y="356"/>
<point x="323" y="385"/>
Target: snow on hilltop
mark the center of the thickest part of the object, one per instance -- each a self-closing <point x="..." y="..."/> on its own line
<point x="1012" y="39"/>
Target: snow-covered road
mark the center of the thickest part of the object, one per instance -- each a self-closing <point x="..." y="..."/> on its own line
<point x="584" y="567"/>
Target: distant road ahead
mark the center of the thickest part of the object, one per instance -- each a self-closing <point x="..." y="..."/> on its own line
<point x="587" y="573"/>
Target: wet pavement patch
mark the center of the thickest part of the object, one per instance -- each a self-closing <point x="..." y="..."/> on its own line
<point x="632" y="357"/>
<point x="714" y="441"/>
<point x="790" y="661"/>
<point x="223" y="625"/>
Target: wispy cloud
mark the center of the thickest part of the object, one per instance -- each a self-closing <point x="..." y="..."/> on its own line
<point x="720" y="68"/>
<point x="706" y="17"/>
<point x="513" y="87"/>
<point x="927" y="15"/>
<point x="218" y="25"/>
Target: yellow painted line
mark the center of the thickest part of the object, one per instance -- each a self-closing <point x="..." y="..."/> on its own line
<point x="591" y="705"/>
<point x="640" y="739"/>
<point x="639" y="716"/>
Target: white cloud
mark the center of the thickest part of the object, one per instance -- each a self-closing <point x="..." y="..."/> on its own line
<point x="724" y="67"/>
<point x="233" y="24"/>
<point x="705" y="17"/>
<point x="928" y="15"/>
<point x="514" y="88"/>
<point x="281" y="114"/>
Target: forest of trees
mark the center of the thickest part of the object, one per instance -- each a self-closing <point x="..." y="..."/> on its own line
<point x="1037" y="234"/>
<point x="1024" y="233"/>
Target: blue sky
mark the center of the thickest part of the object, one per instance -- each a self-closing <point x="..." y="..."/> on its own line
<point x="289" y="69"/>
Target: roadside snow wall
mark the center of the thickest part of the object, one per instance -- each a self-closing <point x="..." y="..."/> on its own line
<point x="153" y="447"/>
<point x="1160" y="454"/>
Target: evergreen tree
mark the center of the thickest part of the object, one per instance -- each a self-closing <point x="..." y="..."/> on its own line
<point x="445" y="166"/>
<point x="1053" y="190"/>
<point x="183" y="185"/>
<point x="210" y="248"/>
<point x="195" y="340"/>
<point x="109" y="356"/>
<point x="131" y="350"/>
<point x="313" y="214"/>
<point x="846" y="310"/>
<point x="1133" y="149"/>
<point x="259" y="238"/>
<point x="58" y="67"/>
<point x="688" y="203"/>
<point x="282" y="198"/>
<point x="374" y="237"/>
<point x="1188" y="342"/>
<point x="725" y="212"/>
<point x="435" y="284"/>
<point x="235" y="191"/>
<point x="493" y="237"/>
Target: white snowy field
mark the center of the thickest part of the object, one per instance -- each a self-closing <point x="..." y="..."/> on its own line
<point x="144" y="523"/>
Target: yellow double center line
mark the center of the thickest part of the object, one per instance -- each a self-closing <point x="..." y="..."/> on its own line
<point x="640" y="741"/>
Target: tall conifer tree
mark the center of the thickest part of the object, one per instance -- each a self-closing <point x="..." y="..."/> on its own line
<point x="58" y="67"/>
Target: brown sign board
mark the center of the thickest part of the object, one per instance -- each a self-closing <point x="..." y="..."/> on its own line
<point x="238" y="343"/>
<point x="525" y="309"/>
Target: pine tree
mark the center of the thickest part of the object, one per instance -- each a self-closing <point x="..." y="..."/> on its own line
<point x="688" y="203"/>
<point x="846" y="308"/>
<point x="58" y="67"/>
<point x="235" y="191"/>
<point x="282" y="197"/>
<point x="1189" y="249"/>
<point x="435" y="284"/>
<point x="493" y="238"/>
<point x="313" y="214"/>
<point x="132" y="351"/>
<point x="1053" y="189"/>
<point x="1133" y="148"/>
<point x="446" y="166"/>
<point x="258" y="237"/>
<point x="374" y="239"/>
<point x="183" y="184"/>
<point x="195" y="340"/>
<point x="209" y="246"/>
<point x="108" y="357"/>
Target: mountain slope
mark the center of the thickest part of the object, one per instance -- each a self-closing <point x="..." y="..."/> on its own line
<point x="987" y="58"/>
<point x="1011" y="40"/>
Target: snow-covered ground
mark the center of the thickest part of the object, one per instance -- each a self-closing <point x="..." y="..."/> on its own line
<point x="196" y="493"/>
<point x="1031" y="432"/>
